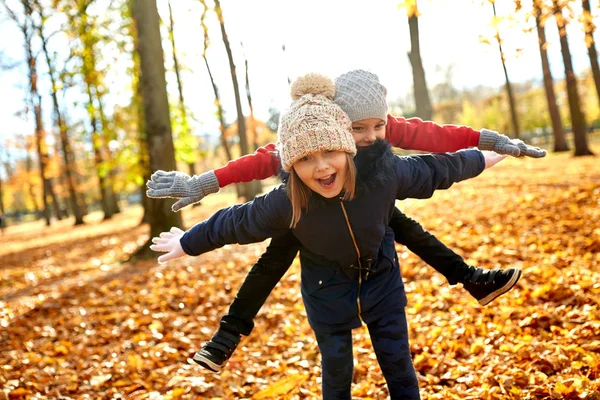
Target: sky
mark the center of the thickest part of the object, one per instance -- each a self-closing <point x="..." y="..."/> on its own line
<point x="327" y="36"/>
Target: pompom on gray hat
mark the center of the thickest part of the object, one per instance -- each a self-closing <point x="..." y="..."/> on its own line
<point x="360" y="94"/>
<point x="313" y="122"/>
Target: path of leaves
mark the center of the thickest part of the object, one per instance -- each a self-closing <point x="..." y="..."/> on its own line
<point x="78" y="322"/>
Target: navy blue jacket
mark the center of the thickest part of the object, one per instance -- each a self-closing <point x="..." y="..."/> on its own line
<point x="332" y="272"/>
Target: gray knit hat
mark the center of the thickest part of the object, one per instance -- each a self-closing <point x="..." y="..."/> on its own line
<point x="360" y="95"/>
<point x="313" y="122"/>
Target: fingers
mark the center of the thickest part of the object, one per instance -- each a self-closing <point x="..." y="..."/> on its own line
<point x="184" y="202"/>
<point x="491" y="158"/>
<point x="160" y="194"/>
<point x="161" y="174"/>
<point x="175" y="230"/>
<point x="531" y="151"/>
<point x="159" y="185"/>
<point x="166" y="257"/>
<point x="161" y="247"/>
<point x="164" y="180"/>
<point x="509" y="149"/>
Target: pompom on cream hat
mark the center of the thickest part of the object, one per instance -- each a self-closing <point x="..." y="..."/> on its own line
<point x="313" y="122"/>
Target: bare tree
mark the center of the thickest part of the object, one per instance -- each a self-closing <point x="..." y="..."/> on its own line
<point x="156" y="111"/>
<point x="2" y="212"/>
<point x="578" y="123"/>
<point x="422" y="100"/>
<point x="218" y="104"/>
<point x="182" y="110"/>
<point x="68" y="156"/>
<point x="248" y="189"/>
<point x="27" y="145"/>
<point x="560" y="142"/>
<point x="86" y="31"/>
<point x="590" y="28"/>
<point x="27" y="28"/>
<point x="509" y="92"/>
<point x="257" y="184"/>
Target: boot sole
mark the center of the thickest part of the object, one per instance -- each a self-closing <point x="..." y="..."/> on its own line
<point x="500" y="291"/>
<point x="205" y="362"/>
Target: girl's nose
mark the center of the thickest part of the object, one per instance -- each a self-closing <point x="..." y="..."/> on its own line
<point x="321" y="164"/>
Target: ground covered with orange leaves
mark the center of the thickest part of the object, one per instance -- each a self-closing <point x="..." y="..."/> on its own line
<point x="79" y="321"/>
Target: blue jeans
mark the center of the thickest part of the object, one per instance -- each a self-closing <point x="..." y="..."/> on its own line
<point x="389" y="336"/>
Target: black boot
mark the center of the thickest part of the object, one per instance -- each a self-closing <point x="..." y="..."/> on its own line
<point x="215" y="354"/>
<point x="488" y="284"/>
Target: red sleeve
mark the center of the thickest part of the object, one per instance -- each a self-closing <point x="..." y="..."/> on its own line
<point x="263" y="164"/>
<point x="415" y="134"/>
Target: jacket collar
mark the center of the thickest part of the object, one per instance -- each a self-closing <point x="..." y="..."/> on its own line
<point x="373" y="164"/>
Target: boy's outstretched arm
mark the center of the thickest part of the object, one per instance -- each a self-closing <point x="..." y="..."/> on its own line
<point x="263" y="164"/>
<point x="415" y="134"/>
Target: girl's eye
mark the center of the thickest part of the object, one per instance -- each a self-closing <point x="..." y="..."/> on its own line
<point x="357" y="128"/>
<point x="380" y="126"/>
<point x="329" y="151"/>
<point x="303" y="159"/>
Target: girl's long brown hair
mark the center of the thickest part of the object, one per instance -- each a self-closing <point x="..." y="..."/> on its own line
<point x="299" y="193"/>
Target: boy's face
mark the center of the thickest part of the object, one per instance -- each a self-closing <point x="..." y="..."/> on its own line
<point x="366" y="131"/>
<point x="323" y="172"/>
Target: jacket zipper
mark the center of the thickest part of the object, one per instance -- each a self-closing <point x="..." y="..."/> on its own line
<point x="359" y="263"/>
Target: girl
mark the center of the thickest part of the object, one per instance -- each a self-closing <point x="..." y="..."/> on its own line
<point x="340" y="215"/>
<point x="360" y="94"/>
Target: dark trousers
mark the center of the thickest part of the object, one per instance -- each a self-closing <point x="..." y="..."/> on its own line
<point x="278" y="257"/>
<point x="389" y="336"/>
<point x="259" y="283"/>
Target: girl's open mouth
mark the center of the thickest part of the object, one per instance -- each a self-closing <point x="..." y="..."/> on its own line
<point x="328" y="181"/>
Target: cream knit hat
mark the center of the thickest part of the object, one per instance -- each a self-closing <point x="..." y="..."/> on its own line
<point x="313" y="122"/>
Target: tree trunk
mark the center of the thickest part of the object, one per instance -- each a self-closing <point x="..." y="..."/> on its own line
<point x="560" y="142"/>
<point x="182" y="110"/>
<point x="578" y="123"/>
<point x="156" y="112"/>
<point x="99" y="161"/>
<point x="100" y="164"/>
<point x="1" y="199"/>
<point x="509" y="92"/>
<point x="55" y="202"/>
<point x="220" y="113"/>
<point x="102" y="157"/>
<point x="144" y="162"/>
<point x="68" y="156"/>
<point x="30" y="191"/>
<point x="40" y="134"/>
<point x="113" y="200"/>
<point x="248" y="190"/>
<point x="256" y="184"/>
<point x="27" y="27"/>
<point x="590" y="27"/>
<point x="422" y="100"/>
<point x="42" y="157"/>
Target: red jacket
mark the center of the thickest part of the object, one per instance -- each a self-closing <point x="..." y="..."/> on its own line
<point x="409" y="134"/>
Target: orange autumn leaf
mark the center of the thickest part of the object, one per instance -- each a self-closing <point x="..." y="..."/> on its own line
<point x="281" y="387"/>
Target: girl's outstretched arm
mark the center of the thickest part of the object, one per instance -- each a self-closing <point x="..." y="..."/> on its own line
<point x="266" y="216"/>
<point x="263" y="164"/>
<point x="421" y="175"/>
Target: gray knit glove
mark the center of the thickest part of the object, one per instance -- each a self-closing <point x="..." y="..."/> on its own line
<point x="178" y="185"/>
<point x="501" y="144"/>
